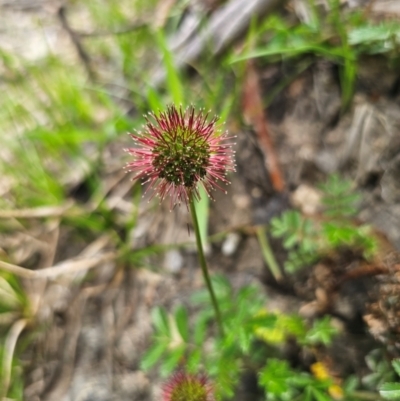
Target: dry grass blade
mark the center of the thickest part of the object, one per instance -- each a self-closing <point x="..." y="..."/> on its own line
<point x="90" y="257"/>
<point x="162" y="12"/>
<point x="66" y="267"/>
<point x="45" y="211"/>
<point x="95" y="247"/>
<point x="114" y="191"/>
<point x="9" y="347"/>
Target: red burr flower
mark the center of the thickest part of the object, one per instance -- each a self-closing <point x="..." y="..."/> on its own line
<point x="179" y="149"/>
<point x="186" y="387"/>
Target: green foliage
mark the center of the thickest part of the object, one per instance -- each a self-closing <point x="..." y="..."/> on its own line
<point x="391" y="391"/>
<point x="381" y="370"/>
<point x="274" y="377"/>
<point x="175" y="343"/>
<point x="12" y="295"/>
<point x="192" y="344"/>
<point x="339" y="198"/>
<point x="376" y="39"/>
<point x="45" y="158"/>
<point x="307" y="239"/>
<point x="173" y="80"/>
<point x="322" y="332"/>
<point x="171" y="332"/>
<point x="285" y="326"/>
<point x="281" y="382"/>
<point x="299" y="238"/>
<point x="337" y="35"/>
<point x="202" y="210"/>
<point x="304" y="39"/>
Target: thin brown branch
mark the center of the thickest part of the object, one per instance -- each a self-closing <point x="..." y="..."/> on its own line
<point x="254" y="112"/>
<point x="83" y="55"/>
<point x="365" y="270"/>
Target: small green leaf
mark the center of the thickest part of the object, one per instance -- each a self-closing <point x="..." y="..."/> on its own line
<point x="173" y="78"/>
<point x="244" y="339"/>
<point x="290" y="241"/>
<point x="8" y="295"/>
<point x="294" y="219"/>
<point x="160" y="320"/>
<point x="319" y="396"/>
<point x="396" y="365"/>
<point x="201" y="327"/>
<point x="202" y="209"/>
<point x="308" y="395"/>
<point x="181" y="318"/>
<point x="265" y="321"/>
<point x="274" y="377"/>
<point x="171" y="361"/>
<point x="278" y="227"/>
<point x="154" y="99"/>
<point x="321" y="332"/>
<point x="390" y="391"/>
<point x="351" y="384"/>
<point x="152" y="356"/>
<point x="194" y="360"/>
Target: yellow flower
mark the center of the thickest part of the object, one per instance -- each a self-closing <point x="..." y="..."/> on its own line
<point x="321" y="373"/>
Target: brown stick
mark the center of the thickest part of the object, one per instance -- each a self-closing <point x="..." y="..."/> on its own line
<point x="254" y="112"/>
<point x="364" y="271"/>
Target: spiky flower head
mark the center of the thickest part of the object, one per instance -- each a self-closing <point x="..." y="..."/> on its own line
<point x="183" y="386"/>
<point x="179" y="149"/>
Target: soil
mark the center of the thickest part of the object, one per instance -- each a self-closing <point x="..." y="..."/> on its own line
<point x="93" y="329"/>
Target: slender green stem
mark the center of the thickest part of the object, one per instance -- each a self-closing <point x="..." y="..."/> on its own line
<point x="203" y="265"/>
<point x="268" y="254"/>
<point x="366" y="395"/>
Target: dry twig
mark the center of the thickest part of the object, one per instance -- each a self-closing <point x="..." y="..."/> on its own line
<point x="39" y="212"/>
<point x="66" y="267"/>
<point x="83" y="55"/>
<point x="254" y="111"/>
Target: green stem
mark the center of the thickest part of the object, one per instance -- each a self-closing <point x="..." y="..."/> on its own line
<point x="268" y="254"/>
<point x="203" y="265"/>
<point x="366" y="395"/>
